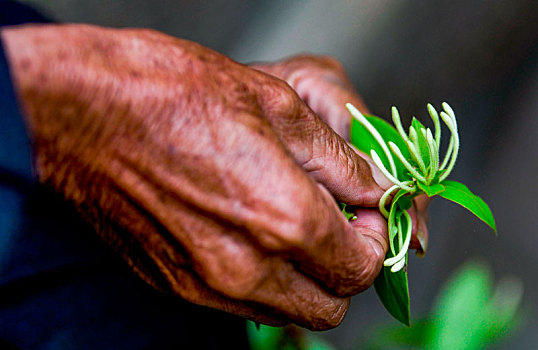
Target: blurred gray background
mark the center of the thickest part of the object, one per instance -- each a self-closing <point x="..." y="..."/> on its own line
<point x="480" y="56"/>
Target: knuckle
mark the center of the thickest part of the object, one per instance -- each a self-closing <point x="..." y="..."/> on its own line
<point x="325" y="64"/>
<point x="236" y="283"/>
<point x="369" y="270"/>
<point x="293" y="230"/>
<point x="281" y="99"/>
<point x="333" y="63"/>
<point x="329" y="315"/>
<point x="318" y="62"/>
<point x="337" y="314"/>
<point x="361" y="276"/>
<point x="293" y="219"/>
<point x="314" y="220"/>
<point x="235" y="271"/>
<point x="328" y="152"/>
<point x="329" y="145"/>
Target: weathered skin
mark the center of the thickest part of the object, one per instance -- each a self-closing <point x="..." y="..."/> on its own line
<point x="323" y="84"/>
<point x="214" y="180"/>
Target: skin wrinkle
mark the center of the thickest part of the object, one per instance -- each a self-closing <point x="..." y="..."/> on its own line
<point x="184" y="241"/>
<point x="202" y="202"/>
<point x="195" y="159"/>
<point x="321" y="239"/>
<point x="178" y="284"/>
<point x="241" y="289"/>
<point x="285" y="291"/>
<point x="219" y="275"/>
<point x="100" y="215"/>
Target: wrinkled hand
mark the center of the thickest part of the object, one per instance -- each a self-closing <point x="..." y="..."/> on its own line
<point x="214" y="180"/>
<point x="323" y="84"/>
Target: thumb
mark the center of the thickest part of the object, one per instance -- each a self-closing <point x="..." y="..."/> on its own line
<point x="350" y="176"/>
<point x="321" y="152"/>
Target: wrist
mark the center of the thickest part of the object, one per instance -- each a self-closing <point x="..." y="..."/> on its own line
<point x="47" y="69"/>
<point x="31" y="59"/>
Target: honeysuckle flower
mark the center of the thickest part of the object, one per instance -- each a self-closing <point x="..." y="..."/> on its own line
<point x="429" y="171"/>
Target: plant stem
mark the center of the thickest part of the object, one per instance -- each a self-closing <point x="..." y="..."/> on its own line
<point x="400" y="238"/>
<point x="383" y="200"/>
<point x="403" y="250"/>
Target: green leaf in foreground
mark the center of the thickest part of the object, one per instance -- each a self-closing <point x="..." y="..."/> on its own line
<point x="459" y="193"/>
<point x="284" y="338"/>
<point x="392" y="289"/>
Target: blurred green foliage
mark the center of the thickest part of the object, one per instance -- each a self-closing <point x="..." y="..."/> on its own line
<point x="284" y="338"/>
<point x="469" y="313"/>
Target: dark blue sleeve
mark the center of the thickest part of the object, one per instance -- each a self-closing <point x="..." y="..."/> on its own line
<point x="13" y="13"/>
<point x="14" y="144"/>
<point x="60" y="286"/>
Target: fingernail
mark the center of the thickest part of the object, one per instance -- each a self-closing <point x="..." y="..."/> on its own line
<point x="423" y="241"/>
<point x="377" y="175"/>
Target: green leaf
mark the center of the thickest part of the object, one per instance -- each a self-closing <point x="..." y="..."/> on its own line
<point x="392" y="290"/>
<point x="313" y="342"/>
<point x="361" y="138"/>
<point x="392" y="287"/>
<point x="469" y="314"/>
<point x="405" y="203"/>
<point x="391" y="336"/>
<point x="348" y="215"/>
<point x="472" y="309"/>
<point x="460" y="309"/>
<point x="264" y="337"/>
<point x="459" y="193"/>
<point x="431" y="190"/>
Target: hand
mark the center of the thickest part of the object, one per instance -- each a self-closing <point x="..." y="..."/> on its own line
<point x="323" y="84"/>
<point x="215" y="181"/>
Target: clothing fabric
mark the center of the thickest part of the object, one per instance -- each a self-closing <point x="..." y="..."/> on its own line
<point x="60" y="286"/>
